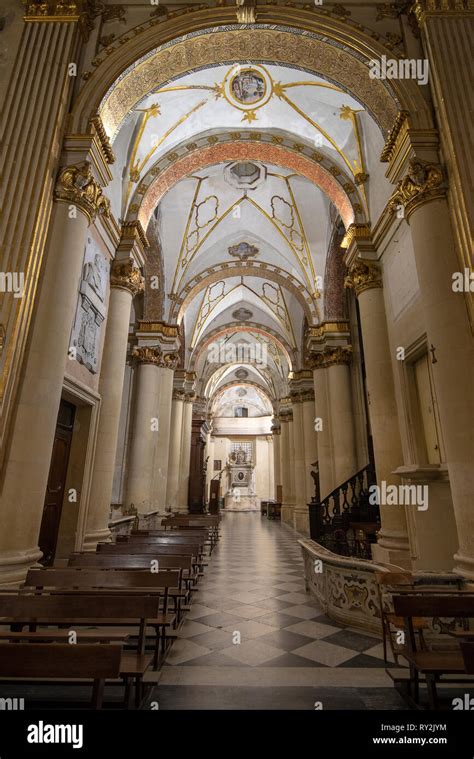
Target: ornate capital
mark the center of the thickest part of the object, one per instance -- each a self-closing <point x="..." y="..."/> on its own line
<point x="330" y="357"/>
<point x="147" y="354"/>
<point x="246" y="11"/>
<point x="422" y="183"/>
<point x="170" y="361"/>
<point x="125" y="275"/>
<point x="179" y="395"/>
<point x="363" y="275"/>
<point x="76" y="185"/>
<point x="64" y="11"/>
<point x="425" y="8"/>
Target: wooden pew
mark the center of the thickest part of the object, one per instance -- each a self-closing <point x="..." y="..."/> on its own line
<point x="166" y="583"/>
<point x="153" y="549"/>
<point x="432" y="664"/>
<point x="43" y="661"/>
<point x="87" y="610"/>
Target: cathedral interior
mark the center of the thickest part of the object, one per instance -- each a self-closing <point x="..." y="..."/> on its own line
<point x="236" y="355"/>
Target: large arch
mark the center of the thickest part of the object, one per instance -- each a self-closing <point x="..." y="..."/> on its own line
<point x="228" y="329"/>
<point x="157" y="51"/>
<point x="309" y="168"/>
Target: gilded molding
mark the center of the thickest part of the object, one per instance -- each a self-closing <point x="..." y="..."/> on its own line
<point x="124" y="275"/>
<point x="105" y="144"/>
<point x="363" y="275"/>
<point x="2" y="338"/>
<point x="134" y="229"/>
<point x="329" y="357"/>
<point x="166" y="330"/>
<point x="246" y="11"/>
<point x="355" y="232"/>
<point x="147" y="354"/>
<point x="327" y="328"/>
<point x="389" y="147"/>
<point x="178" y="395"/>
<point x="423" y="9"/>
<point x="76" y="185"/>
<point x="422" y="183"/>
<point x="170" y="361"/>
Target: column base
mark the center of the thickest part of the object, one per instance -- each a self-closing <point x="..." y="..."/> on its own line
<point x="464" y="566"/>
<point x="301" y="521"/>
<point x="97" y="536"/>
<point x="392" y="548"/>
<point x="14" y="565"/>
<point x="287" y="513"/>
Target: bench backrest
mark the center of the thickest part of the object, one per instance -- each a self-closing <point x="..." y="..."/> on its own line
<point x="425" y="605"/>
<point x="137" y="562"/>
<point x="151" y="549"/>
<point x="100" y="578"/>
<point x="94" y="661"/>
<point x="172" y="540"/>
<point x="67" y="607"/>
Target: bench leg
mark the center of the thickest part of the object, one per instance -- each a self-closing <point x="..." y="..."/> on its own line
<point x="98" y="694"/>
<point x="432" y="692"/>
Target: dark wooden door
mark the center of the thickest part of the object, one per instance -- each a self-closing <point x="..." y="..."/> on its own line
<point x="214" y="497"/>
<point x="53" y="502"/>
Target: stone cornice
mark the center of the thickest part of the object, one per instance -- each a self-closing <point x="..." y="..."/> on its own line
<point x="422" y="183"/>
<point x="389" y="147"/>
<point x="363" y="275"/>
<point x="96" y="123"/>
<point x="124" y="275"/>
<point x="77" y="186"/>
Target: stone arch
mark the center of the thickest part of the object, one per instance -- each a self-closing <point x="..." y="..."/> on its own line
<point x="236" y="269"/>
<point x="236" y="383"/>
<point x="307" y="166"/>
<point x="156" y="51"/>
<point x="242" y="327"/>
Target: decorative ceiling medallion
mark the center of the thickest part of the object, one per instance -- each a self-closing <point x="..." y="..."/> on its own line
<point x="241" y="392"/>
<point x="242" y="374"/>
<point x="248" y="88"/>
<point x="242" y="314"/>
<point x="245" y="175"/>
<point x="243" y="251"/>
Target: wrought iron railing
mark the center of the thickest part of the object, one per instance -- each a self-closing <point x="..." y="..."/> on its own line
<point x="345" y="521"/>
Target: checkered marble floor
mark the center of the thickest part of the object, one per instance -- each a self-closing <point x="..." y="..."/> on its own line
<point x="254" y="639"/>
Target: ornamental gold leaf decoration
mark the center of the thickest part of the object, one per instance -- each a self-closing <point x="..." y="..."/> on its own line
<point x="76" y="185"/>
<point x="125" y="275"/>
<point x="423" y="182"/>
<point x="363" y="275"/>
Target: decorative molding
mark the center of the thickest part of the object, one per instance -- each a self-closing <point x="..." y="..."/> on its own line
<point x="355" y="232"/>
<point x="133" y="229"/>
<point x="423" y="9"/>
<point x="422" y="183"/>
<point x="363" y="275"/>
<point x="125" y="275"/>
<point x="2" y="338"/>
<point x="147" y="354"/>
<point x="246" y="11"/>
<point x="327" y="328"/>
<point x="76" y="185"/>
<point x="166" y="330"/>
<point x="329" y="357"/>
<point x="96" y="123"/>
<point x="389" y="147"/>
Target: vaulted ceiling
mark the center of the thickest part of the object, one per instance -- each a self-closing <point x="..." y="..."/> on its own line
<point x="244" y="242"/>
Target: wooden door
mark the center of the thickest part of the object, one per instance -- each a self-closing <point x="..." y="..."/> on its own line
<point x="53" y="502"/>
<point x="429" y="411"/>
<point x="214" y="496"/>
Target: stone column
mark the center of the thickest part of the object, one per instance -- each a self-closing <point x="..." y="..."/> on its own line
<point x="145" y="430"/>
<point x="366" y="280"/>
<point x="291" y="464"/>
<point x="125" y="282"/>
<point x="185" y="458"/>
<point x="177" y="410"/>
<point x="323" y="426"/>
<point x="162" y="450"/>
<point x="277" y="478"/>
<point x="27" y="461"/>
<point x="341" y="413"/>
<point x="285" y="464"/>
<point x="300" y="512"/>
<point x="310" y="442"/>
<point x="421" y="192"/>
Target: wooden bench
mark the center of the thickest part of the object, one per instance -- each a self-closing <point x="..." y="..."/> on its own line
<point x="168" y="584"/>
<point x="153" y="549"/>
<point x="91" y="609"/>
<point x="431" y="664"/>
<point x="138" y="562"/>
<point x="45" y="661"/>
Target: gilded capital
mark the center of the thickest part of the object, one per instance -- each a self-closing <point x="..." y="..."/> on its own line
<point x="422" y="9"/>
<point x="170" y="361"/>
<point x="331" y="356"/>
<point x="76" y="185"/>
<point x="148" y="354"/>
<point x="363" y="275"/>
<point x="125" y="275"/>
<point x="422" y="183"/>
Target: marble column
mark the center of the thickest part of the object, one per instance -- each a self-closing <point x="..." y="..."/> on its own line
<point x="285" y="465"/>
<point x="145" y="430"/>
<point x="341" y="413"/>
<point x="310" y="443"/>
<point x="162" y="450"/>
<point x="27" y="461"/>
<point x="322" y="426"/>
<point x="125" y="282"/>
<point x="291" y="465"/>
<point x="185" y="458"/>
<point x="277" y="479"/>
<point x="177" y="410"/>
<point x="423" y="196"/>
<point x="366" y="280"/>
<point x="300" y="511"/>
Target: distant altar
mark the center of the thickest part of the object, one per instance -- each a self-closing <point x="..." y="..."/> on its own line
<point x="240" y="470"/>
